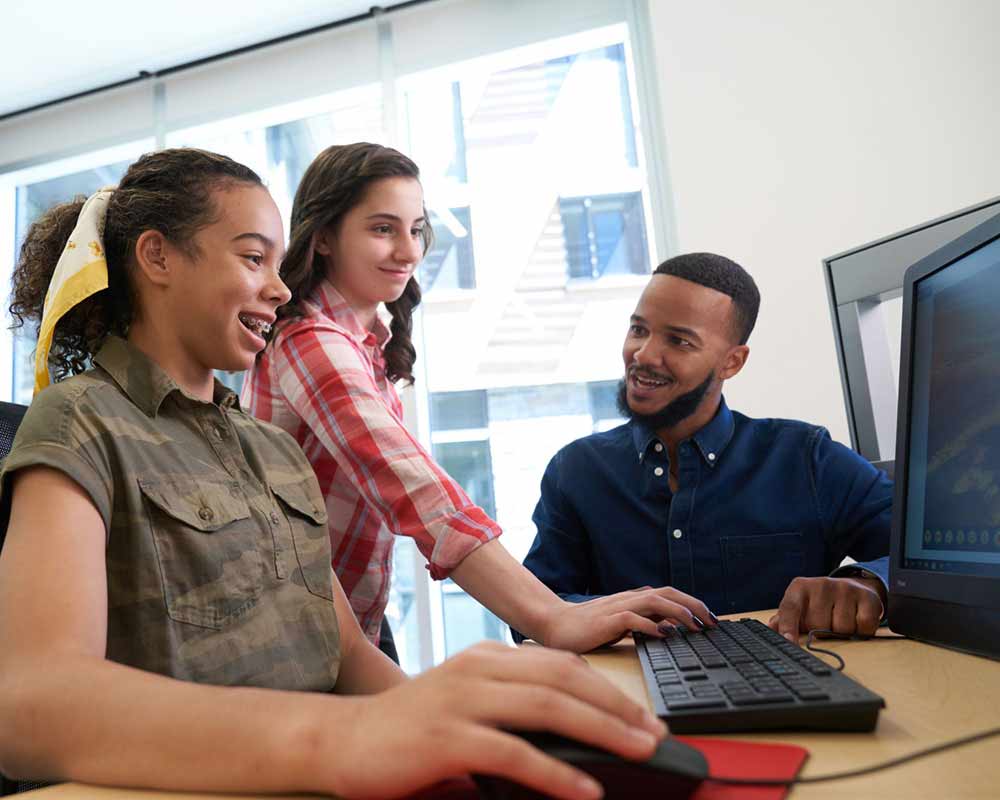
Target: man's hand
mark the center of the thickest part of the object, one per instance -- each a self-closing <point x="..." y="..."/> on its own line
<point x="843" y="605"/>
<point x="583" y="626"/>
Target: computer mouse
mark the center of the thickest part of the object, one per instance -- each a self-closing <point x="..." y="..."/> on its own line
<point x="674" y="771"/>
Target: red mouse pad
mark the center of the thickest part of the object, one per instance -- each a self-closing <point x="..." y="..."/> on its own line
<point x="729" y="758"/>
<point x="726" y="759"/>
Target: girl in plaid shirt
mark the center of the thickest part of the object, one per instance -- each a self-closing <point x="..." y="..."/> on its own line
<point x="359" y="229"/>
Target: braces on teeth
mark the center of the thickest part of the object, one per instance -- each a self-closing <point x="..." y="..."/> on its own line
<point x="258" y="326"/>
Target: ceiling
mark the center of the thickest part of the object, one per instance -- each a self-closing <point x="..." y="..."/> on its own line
<point x="56" y="48"/>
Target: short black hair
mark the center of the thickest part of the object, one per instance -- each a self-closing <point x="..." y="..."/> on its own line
<point x="724" y="275"/>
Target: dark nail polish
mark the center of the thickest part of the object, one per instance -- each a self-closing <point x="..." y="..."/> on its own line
<point x="698" y="622"/>
<point x="666" y="628"/>
<point x="712" y="617"/>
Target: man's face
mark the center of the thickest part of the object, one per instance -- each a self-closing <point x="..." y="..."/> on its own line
<point x="680" y="343"/>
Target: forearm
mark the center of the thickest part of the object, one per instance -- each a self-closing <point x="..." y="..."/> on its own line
<point x="84" y="718"/>
<point x="493" y="577"/>
<point x="368" y="671"/>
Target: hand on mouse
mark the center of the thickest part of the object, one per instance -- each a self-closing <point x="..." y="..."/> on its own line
<point x="842" y="605"/>
<point x="447" y="721"/>
<point x="584" y="626"/>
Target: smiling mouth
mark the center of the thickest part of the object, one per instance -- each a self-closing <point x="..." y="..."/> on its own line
<point x="255" y="325"/>
<point x="648" y="382"/>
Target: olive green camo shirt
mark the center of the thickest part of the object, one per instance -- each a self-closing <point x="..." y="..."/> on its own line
<point x="217" y="553"/>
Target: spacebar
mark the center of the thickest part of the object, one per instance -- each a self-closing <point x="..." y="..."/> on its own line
<point x="694" y="702"/>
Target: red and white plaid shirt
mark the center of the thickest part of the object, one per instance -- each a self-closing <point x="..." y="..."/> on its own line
<point x="323" y="380"/>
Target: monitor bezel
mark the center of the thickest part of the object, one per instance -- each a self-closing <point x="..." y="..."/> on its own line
<point x="974" y="591"/>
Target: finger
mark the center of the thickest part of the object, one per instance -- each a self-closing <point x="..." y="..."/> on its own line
<point x="844" y="614"/>
<point x="692" y="604"/>
<point x="531" y="707"/>
<point x="791" y="610"/>
<point x="869" y="614"/>
<point x="560" y="670"/>
<point x="653" y="605"/>
<point x="492" y="752"/>
<point x="822" y="596"/>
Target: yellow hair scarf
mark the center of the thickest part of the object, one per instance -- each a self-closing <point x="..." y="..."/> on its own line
<point x="81" y="272"/>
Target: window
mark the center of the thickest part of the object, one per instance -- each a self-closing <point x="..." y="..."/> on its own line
<point x="449" y="263"/>
<point x="529" y="158"/>
<point x="604" y="235"/>
<point x="534" y="178"/>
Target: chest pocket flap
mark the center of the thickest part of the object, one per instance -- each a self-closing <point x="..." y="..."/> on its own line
<point x="203" y="505"/>
<point x="304" y="498"/>
<point x="306" y="514"/>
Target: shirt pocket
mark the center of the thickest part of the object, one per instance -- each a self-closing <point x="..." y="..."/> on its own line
<point x="304" y="509"/>
<point x="757" y="569"/>
<point x="207" y="546"/>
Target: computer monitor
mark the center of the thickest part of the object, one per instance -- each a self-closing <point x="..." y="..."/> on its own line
<point x="864" y="286"/>
<point x="944" y="573"/>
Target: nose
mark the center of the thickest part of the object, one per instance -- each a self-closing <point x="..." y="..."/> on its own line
<point x="645" y="355"/>
<point x="275" y="290"/>
<point x="410" y="249"/>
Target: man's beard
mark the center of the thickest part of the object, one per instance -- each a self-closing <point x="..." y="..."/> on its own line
<point x="673" y="413"/>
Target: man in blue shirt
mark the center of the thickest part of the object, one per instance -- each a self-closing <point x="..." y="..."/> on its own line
<point x="744" y="514"/>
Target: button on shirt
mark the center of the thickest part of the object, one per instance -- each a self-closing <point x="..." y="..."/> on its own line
<point x="759" y="502"/>
<point x="217" y="557"/>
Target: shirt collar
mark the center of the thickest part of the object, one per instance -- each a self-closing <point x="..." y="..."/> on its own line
<point x="332" y="305"/>
<point x="143" y="380"/>
<point x="711" y="441"/>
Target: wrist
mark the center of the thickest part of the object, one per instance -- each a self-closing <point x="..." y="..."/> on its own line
<point x="543" y="626"/>
<point x="318" y="758"/>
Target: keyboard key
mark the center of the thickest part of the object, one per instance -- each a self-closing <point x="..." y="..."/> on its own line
<point x="695" y="702"/>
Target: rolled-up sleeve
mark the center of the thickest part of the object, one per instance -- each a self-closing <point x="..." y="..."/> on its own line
<point x="326" y="380"/>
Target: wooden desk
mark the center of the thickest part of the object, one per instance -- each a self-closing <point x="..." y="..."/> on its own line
<point x="932" y="695"/>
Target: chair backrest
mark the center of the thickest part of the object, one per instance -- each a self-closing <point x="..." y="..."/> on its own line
<point x="11" y="415"/>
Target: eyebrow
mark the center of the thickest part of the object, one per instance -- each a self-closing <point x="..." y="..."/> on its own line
<point x="260" y="237"/>
<point x="690" y="333"/>
<point x="393" y="217"/>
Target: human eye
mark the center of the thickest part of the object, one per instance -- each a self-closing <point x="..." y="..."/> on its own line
<point x="417" y="231"/>
<point x="383" y="228"/>
<point x="680" y="341"/>
<point x="636" y="330"/>
<point x="254" y="258"/>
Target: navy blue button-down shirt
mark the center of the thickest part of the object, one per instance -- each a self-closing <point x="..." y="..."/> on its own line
<point x="759" y="502"/>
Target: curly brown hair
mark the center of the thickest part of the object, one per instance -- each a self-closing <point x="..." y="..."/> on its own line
<point x="335" y="182"/>
<point x="169" y="191"/>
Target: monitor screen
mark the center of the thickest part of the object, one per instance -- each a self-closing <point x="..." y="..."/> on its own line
<point x="952" y="511"/>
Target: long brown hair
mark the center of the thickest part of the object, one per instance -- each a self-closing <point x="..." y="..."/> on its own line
<point x="169" y="191"/>
<point x="334" y="183"/>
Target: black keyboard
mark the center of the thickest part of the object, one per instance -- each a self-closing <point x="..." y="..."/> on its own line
<point x="743" y="676"/>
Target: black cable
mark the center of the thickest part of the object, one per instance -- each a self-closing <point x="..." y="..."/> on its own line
<point x="854" y="773"/>
<point x="827" y="634"/>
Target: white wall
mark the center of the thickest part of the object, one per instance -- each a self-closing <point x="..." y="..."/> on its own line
<point x="798" y="129"/>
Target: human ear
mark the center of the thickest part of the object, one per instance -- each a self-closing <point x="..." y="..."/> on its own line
<point x="323" y="242"/>
<point x="151" y="257"/>
<point x="735" y="360"/>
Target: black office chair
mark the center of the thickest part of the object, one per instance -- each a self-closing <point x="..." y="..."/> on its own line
<point x="11" y="415"/>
